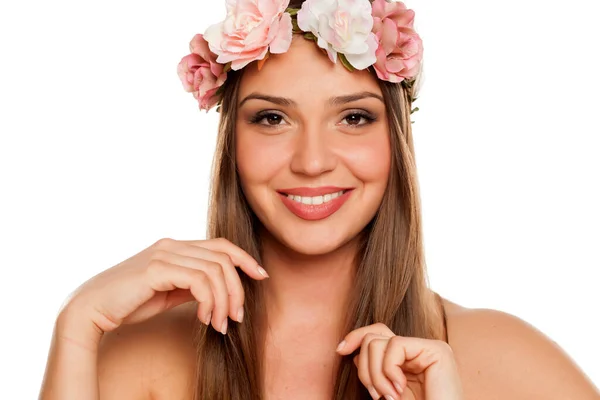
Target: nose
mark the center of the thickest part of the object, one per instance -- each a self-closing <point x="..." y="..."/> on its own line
<point x="313" y="154"/>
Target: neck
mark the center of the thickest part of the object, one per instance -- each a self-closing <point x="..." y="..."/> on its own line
<point x="309" y="289"/>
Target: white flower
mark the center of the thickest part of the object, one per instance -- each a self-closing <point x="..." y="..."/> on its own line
<point x="341" y="26"/>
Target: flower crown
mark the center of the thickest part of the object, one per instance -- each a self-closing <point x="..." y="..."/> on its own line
<point x="361" y="33"/>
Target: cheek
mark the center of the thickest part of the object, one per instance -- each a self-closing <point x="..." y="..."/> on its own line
<point x="369" y="161"/>
<point x="258" y="161"/>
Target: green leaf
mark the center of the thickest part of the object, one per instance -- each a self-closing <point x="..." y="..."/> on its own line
<point x="414" y="110"/>
<point x="295" y="27"/>
<point x="408" y="83"/>
<point x="219" y="104"/>
<point x="310" y="36"/>
<point x="292" y="11"/>
<point x="345" y="62"/>
<point x="227" y="67"/>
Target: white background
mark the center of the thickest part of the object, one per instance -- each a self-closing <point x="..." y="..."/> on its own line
<point x="102" y="153"/>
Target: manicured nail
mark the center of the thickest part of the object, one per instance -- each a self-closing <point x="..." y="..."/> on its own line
<point x="341" y="345"/>
<point x="208" y="318"/>
<point x="224" y="327"/>
<point x="389" y="397"/>
<point x="240" y="315"/>
<point x="398" y="387"/>
<point x="262" y="271"/>
<point x="374" y="393"/>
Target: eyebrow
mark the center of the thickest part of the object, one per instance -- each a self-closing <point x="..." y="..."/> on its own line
<point x="333" y="101"/>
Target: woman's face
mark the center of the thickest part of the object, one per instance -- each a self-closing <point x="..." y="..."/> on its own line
<point x="313" y="148"/>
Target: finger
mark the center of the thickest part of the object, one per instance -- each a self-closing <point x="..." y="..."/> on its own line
<point x="219" y="288"/>
<point x="232" y="278"/>
<point x="377" y="349"/>
<point x="235" y="290"/>
<point x="433" y="358"/>
<point x="177" y="297"/>
<point x="159" y="302"/>
<point x="364" y="373"/>
<point x="217" y="282"/>
<point x="393" y="359"/>
<point x="423" y="354"/>
<point x="180" y="296"/>
<point x="353" y="340"/>
<point x="163" y="276"/>
<point x="239" y="257"/>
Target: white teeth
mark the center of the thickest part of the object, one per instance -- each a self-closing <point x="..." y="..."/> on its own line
<point x="316" y="200"/>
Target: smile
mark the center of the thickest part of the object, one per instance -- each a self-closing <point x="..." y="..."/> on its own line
<point x="316" y="199"/>
<point x="314" y="203"/>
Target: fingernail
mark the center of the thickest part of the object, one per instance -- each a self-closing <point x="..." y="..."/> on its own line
<point x="374" y="393"/>
<point x="240" y="315"/>
<point x="262" y="271"/>
<point x="341" y="345"/>
<point x="398" y="387"/>
<point x="389" y="397"/>
<point x="208" y="318"/>
<point x="224" y="327"/>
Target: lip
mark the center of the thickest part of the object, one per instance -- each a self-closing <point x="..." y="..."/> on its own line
<point x="314" y="212"/>
<point x="312" y="191"/>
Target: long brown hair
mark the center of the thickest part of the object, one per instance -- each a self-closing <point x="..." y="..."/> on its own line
<point x="391" y="280"/>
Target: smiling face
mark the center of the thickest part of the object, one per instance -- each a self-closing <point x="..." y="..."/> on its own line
<point x="312" y="148"/>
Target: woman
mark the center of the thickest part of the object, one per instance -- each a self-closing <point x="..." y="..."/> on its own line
<point x="312" y="284"/>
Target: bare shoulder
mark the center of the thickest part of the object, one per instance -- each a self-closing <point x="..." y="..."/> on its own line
<point x="154" y="359"/>
<point x="500" y="356"/>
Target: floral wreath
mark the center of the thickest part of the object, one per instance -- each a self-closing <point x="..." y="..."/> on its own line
<point x="360" y="33"/>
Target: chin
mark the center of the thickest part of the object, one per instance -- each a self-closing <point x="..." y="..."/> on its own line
<point x="314" y="246"/>
<point x="314" y="238"/>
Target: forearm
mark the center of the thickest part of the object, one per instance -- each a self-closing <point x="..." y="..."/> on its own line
<point x="71" y="371"/>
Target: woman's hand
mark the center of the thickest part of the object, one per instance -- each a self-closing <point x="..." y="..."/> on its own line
<point x="162" y="276"/>
<point x="406" y="368"/>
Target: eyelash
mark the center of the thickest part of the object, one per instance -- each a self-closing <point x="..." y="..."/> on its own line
<point x="264" y="114"/>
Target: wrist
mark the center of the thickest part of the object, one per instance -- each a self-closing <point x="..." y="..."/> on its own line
<point x="75" y="328"/>
<point x="72" y="368"/>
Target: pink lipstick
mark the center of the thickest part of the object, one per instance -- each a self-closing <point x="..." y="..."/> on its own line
<point x="314" y="203"/>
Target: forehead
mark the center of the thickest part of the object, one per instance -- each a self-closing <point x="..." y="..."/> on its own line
<point x="305" y="73"/>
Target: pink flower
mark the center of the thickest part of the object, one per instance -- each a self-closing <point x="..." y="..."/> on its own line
<point x="251" y="28"/>
<point x="341" y="26"/>
<point x="200" y="73"/>
<point x="400" y="47"/>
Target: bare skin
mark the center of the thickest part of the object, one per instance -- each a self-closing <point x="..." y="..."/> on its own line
<point x="499" y="357"/>
<point x="127" y="333"/>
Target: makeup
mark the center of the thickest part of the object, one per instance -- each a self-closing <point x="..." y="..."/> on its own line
<point x="314" y="203"/>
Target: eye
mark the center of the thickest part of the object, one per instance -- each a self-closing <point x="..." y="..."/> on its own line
<point x="272" y="119"/>
<point x="355" y="118"/>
